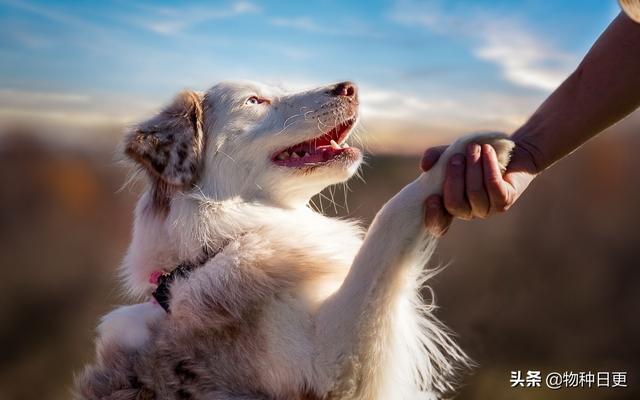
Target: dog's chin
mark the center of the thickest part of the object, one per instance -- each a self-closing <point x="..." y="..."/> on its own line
<point x="295" y="186"/>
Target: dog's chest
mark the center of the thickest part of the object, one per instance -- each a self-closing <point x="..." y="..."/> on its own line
<point x="284" y="270"/>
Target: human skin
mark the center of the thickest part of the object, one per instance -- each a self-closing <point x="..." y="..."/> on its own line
<point x="602" y="90"/>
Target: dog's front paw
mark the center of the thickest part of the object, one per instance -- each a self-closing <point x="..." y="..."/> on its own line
<point x="500" y="142"/>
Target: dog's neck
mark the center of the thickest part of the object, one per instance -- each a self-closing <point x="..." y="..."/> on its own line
<point x="241" y="182"/>
<point x="162" y="240"/>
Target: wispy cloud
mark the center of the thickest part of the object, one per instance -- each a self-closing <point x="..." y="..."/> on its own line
<point x="45" y="12"/>
<point x="301" y="23"/>
<point x="172" y="20"/>
<point x="462" y="112"/>
<point x="293" y="53"/>
<point x="24" y="35"/>
<point x="34" y="99"/>
<point x="524" y="57"/>
<point x="70" y="109"/>
<point x="351" y="27"/>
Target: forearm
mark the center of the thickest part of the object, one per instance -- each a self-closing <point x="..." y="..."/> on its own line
<point x="602" y="90"/>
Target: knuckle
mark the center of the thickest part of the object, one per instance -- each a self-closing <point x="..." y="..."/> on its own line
<point x="480" y="210"/>
<point x="455" y="206"/>
<point x="501" y="205"/>
<point x="461" y="212"/>
<point x="494" y="181"/>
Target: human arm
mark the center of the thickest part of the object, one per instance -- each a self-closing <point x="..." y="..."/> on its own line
<point x="602" y="90"/>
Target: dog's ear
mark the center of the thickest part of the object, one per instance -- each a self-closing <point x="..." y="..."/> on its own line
<point x="170" y="145"/>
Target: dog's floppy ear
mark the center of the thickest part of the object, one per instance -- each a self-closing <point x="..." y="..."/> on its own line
<point x="170" y="145"/>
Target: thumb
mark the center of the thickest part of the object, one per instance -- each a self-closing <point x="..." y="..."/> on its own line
<point x="431" y="157"/>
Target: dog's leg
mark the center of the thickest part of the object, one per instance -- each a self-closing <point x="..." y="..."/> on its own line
<point x="355" y="325"/>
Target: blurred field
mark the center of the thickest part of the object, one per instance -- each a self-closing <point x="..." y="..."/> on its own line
<point x="553" y="285"/>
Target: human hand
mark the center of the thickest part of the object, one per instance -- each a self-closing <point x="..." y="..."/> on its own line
<point x="474" y="186"/>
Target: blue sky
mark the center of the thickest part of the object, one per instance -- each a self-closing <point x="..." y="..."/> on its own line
<point x="428" y="70"/>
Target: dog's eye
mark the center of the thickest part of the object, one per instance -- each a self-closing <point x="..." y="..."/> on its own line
<point x="253" y="100"/>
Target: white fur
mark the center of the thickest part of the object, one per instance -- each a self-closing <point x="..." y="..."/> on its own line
<point x="356" y="325"/>
<point x="129" y="325"/>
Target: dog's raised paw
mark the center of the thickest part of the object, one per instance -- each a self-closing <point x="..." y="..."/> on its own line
<point x="500" y="142"/>
<point x="433" y="179"/>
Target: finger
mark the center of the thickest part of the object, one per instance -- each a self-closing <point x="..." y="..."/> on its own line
<point x="500" y="192"/>
<point x="476" y="193"/>
<point x="431" y="157"/>
<point x="455" y="200"/>
<point x="436" y="218"/>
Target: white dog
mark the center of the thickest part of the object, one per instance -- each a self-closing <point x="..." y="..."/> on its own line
<point x="256" y="295"/>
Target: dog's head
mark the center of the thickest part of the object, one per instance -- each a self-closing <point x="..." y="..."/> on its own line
<point x="251" y="141"/>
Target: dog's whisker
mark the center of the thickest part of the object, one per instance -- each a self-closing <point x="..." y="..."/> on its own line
<point x="286" y="121"/>
<point x="332" y="192"/>
<point x="345" y="192"/>
<point x="320" y="201"/>
<point x="219" y="150"/>
<point x="313" y="205"/>
<point x="331" y="202"/>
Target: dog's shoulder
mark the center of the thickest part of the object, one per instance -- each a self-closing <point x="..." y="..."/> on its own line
<point x="305" y="242"/>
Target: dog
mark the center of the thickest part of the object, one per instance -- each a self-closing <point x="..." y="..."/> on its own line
<point x="255" y="295"/>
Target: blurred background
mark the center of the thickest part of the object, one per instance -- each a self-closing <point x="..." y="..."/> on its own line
<point x="552" y="285"/>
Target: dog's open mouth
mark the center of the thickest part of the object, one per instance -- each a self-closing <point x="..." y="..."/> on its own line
<point x="322" y="149"/>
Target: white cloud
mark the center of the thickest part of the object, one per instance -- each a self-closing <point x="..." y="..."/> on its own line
<point x="71" y="109"/>
<point x="301" y="23"/>
<point x="390" y="104"/>
<point x="352" y="27"/>
<point x="46" y="12"/>
<point x="462" y="111"/>
<point x="524" y="57"/>
<point x="32" y="99"/>
<point x="171" y="21"/>
<point x="293" y="53"/>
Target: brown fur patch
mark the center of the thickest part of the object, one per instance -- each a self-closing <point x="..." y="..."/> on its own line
<point x="169" y="146"/>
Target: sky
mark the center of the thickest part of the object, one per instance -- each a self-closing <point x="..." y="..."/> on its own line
<point x="427" y="70"/>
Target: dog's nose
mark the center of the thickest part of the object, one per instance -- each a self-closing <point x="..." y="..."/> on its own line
<point x="347" y="89"/>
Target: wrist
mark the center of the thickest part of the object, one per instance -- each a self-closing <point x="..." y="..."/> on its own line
<point x="530" y="150"/>
<point x="523" y="158"/>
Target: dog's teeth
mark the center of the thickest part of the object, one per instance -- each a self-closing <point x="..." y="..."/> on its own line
<point x="295" y="155"/>
<point x="283" y="156"/>
<point x="306" y="154"/>
<point x="334" y="144"/>
<point x="345" y="146"/>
